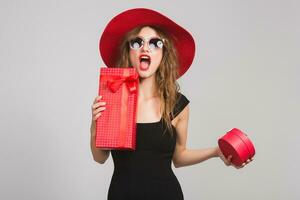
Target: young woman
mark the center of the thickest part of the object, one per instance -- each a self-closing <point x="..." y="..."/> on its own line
<point x="161" y="51"/>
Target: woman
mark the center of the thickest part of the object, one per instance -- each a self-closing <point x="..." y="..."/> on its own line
<point x="161" y="51"/>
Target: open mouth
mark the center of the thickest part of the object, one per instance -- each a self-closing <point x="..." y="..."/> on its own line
<point x="145" y="61"/>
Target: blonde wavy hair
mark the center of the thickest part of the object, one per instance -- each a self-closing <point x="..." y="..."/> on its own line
<point x="165" y="76"/>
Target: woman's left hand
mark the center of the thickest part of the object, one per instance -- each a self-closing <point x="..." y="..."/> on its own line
<point x="228" y="160"/>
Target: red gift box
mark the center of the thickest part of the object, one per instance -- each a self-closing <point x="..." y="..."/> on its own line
<point x="116" y="127"/>
<point x="236" y="143"/>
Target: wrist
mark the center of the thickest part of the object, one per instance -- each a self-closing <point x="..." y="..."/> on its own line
<point x="216" y="152"/>
<point x="93" y="128"/>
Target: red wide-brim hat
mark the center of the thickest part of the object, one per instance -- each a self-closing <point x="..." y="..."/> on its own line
<point x="124" y="22"/>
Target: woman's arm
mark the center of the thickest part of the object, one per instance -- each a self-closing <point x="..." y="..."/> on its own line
<point x="194" y="156"/>
<point x="99" y="155"/>
<point x="182" y="156"/>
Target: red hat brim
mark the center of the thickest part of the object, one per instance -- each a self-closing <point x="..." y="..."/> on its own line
<point x="117" y="28"/>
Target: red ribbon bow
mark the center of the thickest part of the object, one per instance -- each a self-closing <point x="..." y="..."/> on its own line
<point x="115" y="83"/>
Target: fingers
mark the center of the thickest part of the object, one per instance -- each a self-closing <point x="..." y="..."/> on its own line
<point x="96" y="102"/>
<point x="245" y="163"/>
<point x="95" y="117"/>
<point x="96" y="111"/>
<point x="228" y="161"/>
<point x="100" y="103"/>
<point x="237" y="167"/>
<point x="97" y="98"/>
<point x="249" y="160"/>
<point x="97" y="107"/>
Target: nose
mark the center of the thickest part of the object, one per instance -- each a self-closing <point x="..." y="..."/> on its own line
<point x="146" y="47"/>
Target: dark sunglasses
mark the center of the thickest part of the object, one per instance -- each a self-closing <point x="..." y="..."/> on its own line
<point x="153" y="43"/>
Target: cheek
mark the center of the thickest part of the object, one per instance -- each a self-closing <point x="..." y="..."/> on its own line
<point x="133" y="58"/>
<point x="157" y="59"/>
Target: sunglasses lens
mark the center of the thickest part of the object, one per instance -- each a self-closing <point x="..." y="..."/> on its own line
<point x="155" y="43"/>
<point x="136" y="43"/>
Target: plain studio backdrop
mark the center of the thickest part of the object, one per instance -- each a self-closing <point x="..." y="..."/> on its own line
<point x="245" y="74"/>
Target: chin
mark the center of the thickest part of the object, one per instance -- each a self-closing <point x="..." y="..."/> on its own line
<point x="143" y="74"/>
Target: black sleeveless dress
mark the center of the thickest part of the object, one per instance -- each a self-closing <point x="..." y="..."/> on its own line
<point x="146" y="173"/>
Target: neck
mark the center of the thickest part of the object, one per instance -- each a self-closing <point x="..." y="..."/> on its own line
<point x="147" y="88"/>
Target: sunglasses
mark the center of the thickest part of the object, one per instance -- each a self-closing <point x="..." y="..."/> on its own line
<point x="154" y="43"/>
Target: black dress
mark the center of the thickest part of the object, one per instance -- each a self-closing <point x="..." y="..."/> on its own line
<point x="146" y="173"/>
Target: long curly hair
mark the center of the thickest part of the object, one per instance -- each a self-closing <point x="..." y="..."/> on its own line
<point x="165" y="76"/>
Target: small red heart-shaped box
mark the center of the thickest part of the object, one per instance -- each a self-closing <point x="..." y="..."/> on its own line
<point x="237" y="144"/>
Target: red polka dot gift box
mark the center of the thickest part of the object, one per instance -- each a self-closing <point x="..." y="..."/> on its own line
<point x="116" y="126"/>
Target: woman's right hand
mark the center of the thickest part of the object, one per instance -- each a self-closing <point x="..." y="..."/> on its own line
<point x="97" y="107"/>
